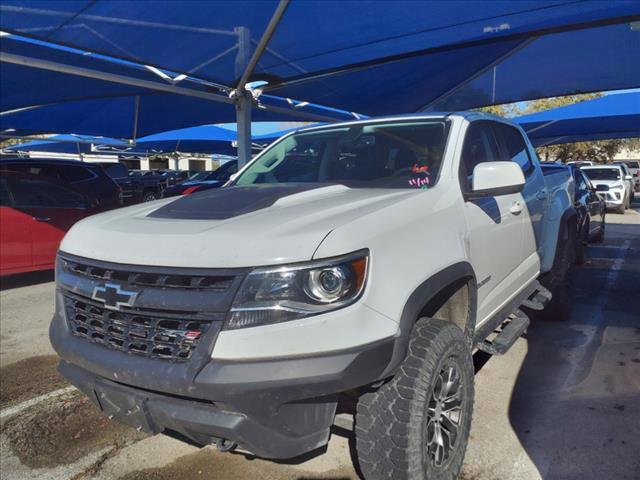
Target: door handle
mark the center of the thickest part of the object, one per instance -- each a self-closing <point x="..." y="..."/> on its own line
<point x="42" y="219"/>
<point x="542" y="194"/>
<point x="516" y="208"/>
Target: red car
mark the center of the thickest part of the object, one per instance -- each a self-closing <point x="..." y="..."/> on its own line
<point x="35" y="213"/>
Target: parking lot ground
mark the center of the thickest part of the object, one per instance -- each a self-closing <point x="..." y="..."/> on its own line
<point x="563" y="403"/>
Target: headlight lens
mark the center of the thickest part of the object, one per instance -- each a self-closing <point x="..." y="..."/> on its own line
<point x="616" y="187"/>
<point x="274" y="295"/>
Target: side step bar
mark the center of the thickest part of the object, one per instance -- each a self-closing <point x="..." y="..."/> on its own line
<point x="539" y="299"/>
<point x="497" y="335"/>
<point x="511" y="329"/>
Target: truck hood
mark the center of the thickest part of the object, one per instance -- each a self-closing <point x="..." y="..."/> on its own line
<point x="229" y="227"/>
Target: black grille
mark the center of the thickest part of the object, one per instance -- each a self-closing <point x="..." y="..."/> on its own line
<point x="149" y="334"/>
<point x="217" y="283"/>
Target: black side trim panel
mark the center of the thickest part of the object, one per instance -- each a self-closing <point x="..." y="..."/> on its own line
<point x="421" y="296"/>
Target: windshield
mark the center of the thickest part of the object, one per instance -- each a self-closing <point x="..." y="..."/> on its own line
<point x="404" y="154"/>
<point x="602" y="173"/>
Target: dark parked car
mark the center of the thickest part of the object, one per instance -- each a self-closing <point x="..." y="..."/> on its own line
<point x="590" y="208"/>
<point x="87" y="178"/>
<point x="136" y="187"/>
<point x="173" y="177"/>
<point x="203" y="180"/>
<point x="35" y="213"/>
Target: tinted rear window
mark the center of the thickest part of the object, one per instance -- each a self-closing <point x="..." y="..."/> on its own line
<point x="116" y="170"/>
<point x="68" y="173"/>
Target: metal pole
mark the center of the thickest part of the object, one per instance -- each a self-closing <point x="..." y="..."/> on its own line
<point x="243" y="98"/>
<point x="243" y="118"/>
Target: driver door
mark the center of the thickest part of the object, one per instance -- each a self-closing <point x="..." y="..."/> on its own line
<point x="495" y="225"/>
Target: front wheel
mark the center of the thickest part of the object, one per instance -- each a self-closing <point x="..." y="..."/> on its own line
<point x="621" y="208"/>
<point x="416" y="426"/>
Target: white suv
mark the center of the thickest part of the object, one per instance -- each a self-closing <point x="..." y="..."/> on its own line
<point x="612" y="185"/>
<point x="350" y="264"/>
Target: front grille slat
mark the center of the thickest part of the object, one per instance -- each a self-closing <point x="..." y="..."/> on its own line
<point x="140" y="333"/>
<point x="216" y="283"/>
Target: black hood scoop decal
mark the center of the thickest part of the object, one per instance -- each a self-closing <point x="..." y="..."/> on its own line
<point x="228" y="202"/>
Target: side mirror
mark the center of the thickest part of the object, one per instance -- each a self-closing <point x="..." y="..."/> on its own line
<point x="602" y="188"/>
<point x="628" y="177"/>
<point x="491" y="179"/>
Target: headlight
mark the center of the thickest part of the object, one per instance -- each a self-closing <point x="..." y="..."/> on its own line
<point x="274" y="295"/>
<point x="616" y="187"/>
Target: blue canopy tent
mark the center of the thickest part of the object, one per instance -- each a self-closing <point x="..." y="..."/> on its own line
<point x="202" y="139"/>
<point x="64" y="144"/>
<point x="610" y="116"/>
<point x="371" y="57"/>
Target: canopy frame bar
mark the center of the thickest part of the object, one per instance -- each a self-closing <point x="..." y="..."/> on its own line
<point x="147" y="84"/>
<point x="262" y="44"/>
<point x="483" y="70"/>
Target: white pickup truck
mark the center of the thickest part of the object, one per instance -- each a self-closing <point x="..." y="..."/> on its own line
<point x="358" y="263"/>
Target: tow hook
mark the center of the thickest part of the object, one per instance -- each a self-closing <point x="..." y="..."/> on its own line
<point x="224" y="445"/>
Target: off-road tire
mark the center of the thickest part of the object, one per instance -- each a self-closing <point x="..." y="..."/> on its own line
<point x="150" y="196"/>
<point x="391" y="421"/>
<point x="558" y="280"/>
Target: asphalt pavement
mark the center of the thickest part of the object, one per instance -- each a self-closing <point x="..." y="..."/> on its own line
<point x="563" y="403"/>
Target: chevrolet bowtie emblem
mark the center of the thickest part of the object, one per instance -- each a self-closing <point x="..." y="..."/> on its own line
<point x="113" y="296"/>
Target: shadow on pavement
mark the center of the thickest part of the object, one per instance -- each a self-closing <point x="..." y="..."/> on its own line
<point x="576" y="404"/>
<point x="26" y="279"/>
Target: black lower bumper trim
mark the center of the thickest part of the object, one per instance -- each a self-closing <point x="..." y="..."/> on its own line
<point x="274" y="408"/>
<point x="201" y="422"/>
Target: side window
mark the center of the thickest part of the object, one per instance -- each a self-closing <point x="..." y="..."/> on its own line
<point x="513" y="146"/>
<point x="30" y="192"/>
<point x="479" y="146"/>
<point x="71" y="174"/>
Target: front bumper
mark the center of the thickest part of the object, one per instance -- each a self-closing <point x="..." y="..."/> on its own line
<point x="274" y="408"/>
<point x="613" y="198"/>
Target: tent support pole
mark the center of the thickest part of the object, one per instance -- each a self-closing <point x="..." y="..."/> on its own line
<point x="243" y="98"/>
<point x="243" y="119"/>
<point x="245" y="64"/>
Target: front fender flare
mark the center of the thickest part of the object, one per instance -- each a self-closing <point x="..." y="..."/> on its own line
<point x="425" y="292"/>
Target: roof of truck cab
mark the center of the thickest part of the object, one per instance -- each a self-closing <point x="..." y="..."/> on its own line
<point x="407" y="116"/>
